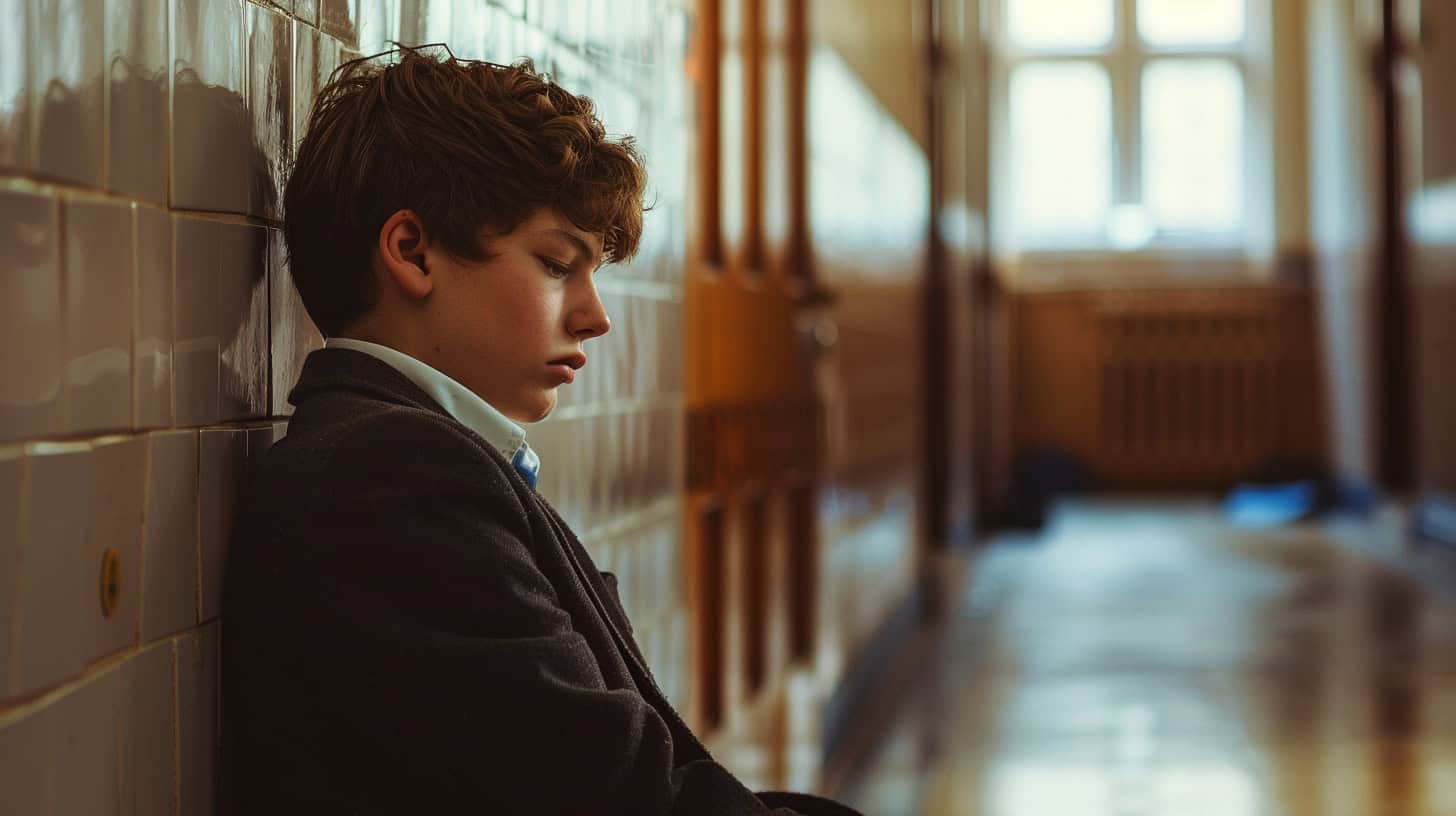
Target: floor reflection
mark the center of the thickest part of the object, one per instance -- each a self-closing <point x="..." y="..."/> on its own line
<point x="1148" y="659"/>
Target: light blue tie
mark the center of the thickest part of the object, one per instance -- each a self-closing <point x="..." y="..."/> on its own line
<point x="524" y="467"/>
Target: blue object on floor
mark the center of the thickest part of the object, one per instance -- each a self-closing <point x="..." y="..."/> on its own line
<point x="1433" y="521"/>
<point x="1272" y="505"/>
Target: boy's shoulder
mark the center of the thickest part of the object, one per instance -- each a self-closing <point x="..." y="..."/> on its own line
<point x="346" y="437"/>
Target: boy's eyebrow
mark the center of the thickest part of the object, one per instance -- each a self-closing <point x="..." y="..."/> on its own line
<point x="582" y="246"/>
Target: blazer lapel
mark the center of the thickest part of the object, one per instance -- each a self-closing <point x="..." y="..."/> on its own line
<point x="618" y="624"/>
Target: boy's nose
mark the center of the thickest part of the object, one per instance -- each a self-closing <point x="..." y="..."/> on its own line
<point x="590" y="320"/>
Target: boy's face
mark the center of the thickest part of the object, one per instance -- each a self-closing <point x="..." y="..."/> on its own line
<point x="512" y="328"/>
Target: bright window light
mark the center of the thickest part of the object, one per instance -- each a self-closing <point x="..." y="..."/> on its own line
<point x="1061" y="150"/>
<point x="1128" y="227"/>
<point x="1189" y="22"/>
<point x="1193" y="137"/>
<point x="1059" y="23"/>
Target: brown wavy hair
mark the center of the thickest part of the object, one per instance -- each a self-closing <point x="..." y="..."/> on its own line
<point x="466" y="145"/>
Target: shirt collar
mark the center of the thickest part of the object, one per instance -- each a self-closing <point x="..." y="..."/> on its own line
<point x="460" y="402"/>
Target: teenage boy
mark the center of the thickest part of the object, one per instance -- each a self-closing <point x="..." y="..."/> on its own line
<point x="410" y="628"/>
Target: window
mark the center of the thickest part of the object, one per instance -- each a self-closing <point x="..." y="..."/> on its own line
<point x="1122" y="124"/>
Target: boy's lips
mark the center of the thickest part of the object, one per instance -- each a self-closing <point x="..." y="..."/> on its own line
<point x="572" y="361"/>
<point x="565" y="367"/>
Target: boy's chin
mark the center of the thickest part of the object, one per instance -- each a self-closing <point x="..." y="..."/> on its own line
<point x="539" y="409"/>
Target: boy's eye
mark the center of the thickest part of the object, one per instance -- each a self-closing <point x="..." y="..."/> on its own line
<point x="554" y="269"/>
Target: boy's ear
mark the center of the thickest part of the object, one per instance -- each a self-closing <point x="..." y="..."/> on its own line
<point x="402" y="245"/>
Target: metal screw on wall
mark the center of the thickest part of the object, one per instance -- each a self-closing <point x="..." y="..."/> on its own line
<point x="110" y="581"/>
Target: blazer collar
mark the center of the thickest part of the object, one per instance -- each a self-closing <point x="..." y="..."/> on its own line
<point x="327" y="369"/>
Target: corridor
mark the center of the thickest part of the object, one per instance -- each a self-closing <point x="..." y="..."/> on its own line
<point x="1150" y="659"/>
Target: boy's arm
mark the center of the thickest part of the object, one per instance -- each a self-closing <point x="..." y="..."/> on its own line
<point x="443" y="661"/>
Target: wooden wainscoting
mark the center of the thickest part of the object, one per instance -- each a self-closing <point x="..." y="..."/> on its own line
<point x="1175" y="389"/>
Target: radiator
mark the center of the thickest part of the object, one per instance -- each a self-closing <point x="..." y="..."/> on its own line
<point x="1197" y="389"/>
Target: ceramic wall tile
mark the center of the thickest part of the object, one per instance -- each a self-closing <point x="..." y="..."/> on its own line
<point x="670" y="341"/>
<point x="58" y="602"/>
<point x="432" y="22"/>
<point x="260" y="440"/>
<point x="615" y="350"/>
<point x="197" y="720"/>
<point x="340" y="19"/>
<point x="293" y="333"/>
<point x="152" y="347"/>
<point x="214" y="158"/>
<point x="270" y="89"/>
<point x="149" y="755"/>
<point x="195" y="353"/>
<point x="136" y="66"/>
<point x="84" y="500"/>
<point x="32" y="342"/>
<point x="306" y="11"/>
<point x="24" y="757"/>
<point x="12" y="474"/>
<point x="169" y="590"/>
<point x="222" y="463"/>
<point x="471" y="32"/>
<point x="316" y="57"/>
<point x="86" y="729"/>
<point x="15" y="44"/>
<point x="66" y="91"/>
<point x="117" y="469"/>
<point x="306" y="79"/>
<point x="641" y="319"/>
<point x="98" y="286"/>
<point x="379" y="25"/>
<point x="242" y="290"/>
<point x="286" y="6"/>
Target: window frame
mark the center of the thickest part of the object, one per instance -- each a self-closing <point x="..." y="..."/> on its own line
<point x="1124" y="57"/>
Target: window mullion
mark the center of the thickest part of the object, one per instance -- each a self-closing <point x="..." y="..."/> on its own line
<point x="1125" y="69"/>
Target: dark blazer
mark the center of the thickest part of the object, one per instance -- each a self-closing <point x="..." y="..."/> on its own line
<point x="409" y="628"/>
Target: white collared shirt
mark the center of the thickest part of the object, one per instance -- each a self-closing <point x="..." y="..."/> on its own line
<point x="463" y="404"/>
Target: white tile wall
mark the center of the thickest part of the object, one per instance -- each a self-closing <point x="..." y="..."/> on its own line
<point x="99" y="257"/>
<point x="306" y="11"/>
<point x="270" y="90"/>
<point x="24" y="760"/>
<point x="197" y="719"/>
<point x="66" y="91"/>
<point x="53" y="609"/>
<point x="293" y="334"/>
<point x="136" y="68"/>
<point x="116" y="467"/>
<point x="339" y="18"/>
<point x="223" y="456"/>
<point x="242" y="313"/>
<point x="15" y="41"/>
<point x="169" y="590"/>
<point x="152" y="347"/>
<point x="12" y="482"/>
<point x="149" y="744"/>
<point x="196" y="344"/>
<point x="149" y="334"/>
<point x="212" y="159"/>
<point x="32" y="335"/>
<point x="86" y="729"/>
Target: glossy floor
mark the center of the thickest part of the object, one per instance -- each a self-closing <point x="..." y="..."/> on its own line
<point x="1149" y="659"/>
